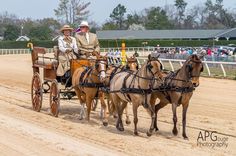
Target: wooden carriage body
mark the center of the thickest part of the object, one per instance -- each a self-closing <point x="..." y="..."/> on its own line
<point x="49" y="84"/>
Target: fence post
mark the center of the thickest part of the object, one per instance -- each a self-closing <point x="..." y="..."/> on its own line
<point x="162" y="65"/>
<point x="181" y="64"/>
<point x="208" y="70"/>
<point x="171" y="65"/>
<point x="223" y="69"/>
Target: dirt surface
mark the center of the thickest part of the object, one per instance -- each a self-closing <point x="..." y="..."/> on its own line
<point x="25" y="132"/>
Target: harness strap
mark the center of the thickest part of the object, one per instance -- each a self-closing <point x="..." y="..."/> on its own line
<point x="124" y="88"/>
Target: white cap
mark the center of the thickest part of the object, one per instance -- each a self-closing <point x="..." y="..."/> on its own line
<point x="84" y="24"/>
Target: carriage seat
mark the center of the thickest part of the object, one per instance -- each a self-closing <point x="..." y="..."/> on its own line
<point x="46" y="64"/>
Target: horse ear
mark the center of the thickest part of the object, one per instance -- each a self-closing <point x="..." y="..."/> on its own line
<point x="149" y="57"/>
<point x="201" y="56"/>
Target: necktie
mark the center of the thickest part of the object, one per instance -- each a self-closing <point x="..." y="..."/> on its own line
<point x="87" y="37"/>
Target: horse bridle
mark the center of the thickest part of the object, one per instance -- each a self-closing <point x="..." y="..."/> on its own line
<point x="149" y="67"/>
<point x="190" y="68"/>
<point x="97" y="65"/>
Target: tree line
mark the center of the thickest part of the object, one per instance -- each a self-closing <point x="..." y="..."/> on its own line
<point x="209" y="15"/>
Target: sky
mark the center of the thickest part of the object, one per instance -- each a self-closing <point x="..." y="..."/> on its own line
<point x="99" y="9"/>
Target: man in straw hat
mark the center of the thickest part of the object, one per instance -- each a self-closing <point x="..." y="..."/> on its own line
<point x="67" y="46"/>
<point x="87" y="42"/>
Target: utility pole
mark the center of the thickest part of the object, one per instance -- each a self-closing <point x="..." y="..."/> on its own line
<point x="21" y="30"/>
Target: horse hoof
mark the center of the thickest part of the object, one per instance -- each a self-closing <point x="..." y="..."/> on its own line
<point x="185" y="137"/>
<point x="156" y="129"/>
<point x="81" y="118"/>
<point x="105" y="124"/>
<point x="175" y="132"/>
<point x="121" y="129"/>
<point x="149" y="133"/>
<point x="136" y="133"/>
<point x="128" y="122"/>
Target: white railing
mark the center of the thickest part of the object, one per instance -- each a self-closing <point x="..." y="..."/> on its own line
<point x="206" y="64"/>
<point x="210" y="72"/>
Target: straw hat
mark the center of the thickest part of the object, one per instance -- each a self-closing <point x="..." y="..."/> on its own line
<point x="84" y="24"/>
<point x="66" y="27"/>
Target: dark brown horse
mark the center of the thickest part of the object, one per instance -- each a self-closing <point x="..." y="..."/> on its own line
<point x="183" y="81"/>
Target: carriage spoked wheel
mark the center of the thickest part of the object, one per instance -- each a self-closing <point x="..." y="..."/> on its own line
<point x="36" y="92"/>
<point x="54" y="98"/>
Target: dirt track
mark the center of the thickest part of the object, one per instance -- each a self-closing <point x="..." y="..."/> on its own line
<point x="25" y="132"/>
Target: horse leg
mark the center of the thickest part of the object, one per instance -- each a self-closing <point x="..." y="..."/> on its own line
<point x="103" y="109"/>
<point x="135" y="112"/>
<point x="109" y="105"/>
<point x="185" y="108"/>
<point x="89" y="100"/>
<point x="120" y="113"/>
<point x="127" y="115"/>
<point x="174" y="107"/>
<point x="153" y="116"/>
<point x="117" y="103"/>
<point x="82" y="103"/>
<point x="160" y="105"/>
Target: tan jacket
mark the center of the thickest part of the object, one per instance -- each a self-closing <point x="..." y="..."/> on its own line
<point x="86" y="47"/>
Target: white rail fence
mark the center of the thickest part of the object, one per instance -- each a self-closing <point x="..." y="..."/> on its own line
<point x="227" y="69"/>
<point x="213" y="68"/>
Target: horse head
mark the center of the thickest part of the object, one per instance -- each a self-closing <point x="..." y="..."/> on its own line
<point x="101" y="66"/>
<point x="154" y="66"/>
<point x="194" y="67"/>
<point x="132" y="63"/>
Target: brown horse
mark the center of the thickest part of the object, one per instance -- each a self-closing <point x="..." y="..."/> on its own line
<point x="183" y="82"/>
<point x="136" y="87"/>
<point x="86" y="82"/>
<point x="132" y="65"/>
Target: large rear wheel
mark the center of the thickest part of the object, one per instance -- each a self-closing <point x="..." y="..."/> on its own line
<point x="54" y="98"/>
<point x="36" y="92"/>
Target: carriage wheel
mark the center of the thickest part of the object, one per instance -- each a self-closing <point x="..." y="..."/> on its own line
<point x="54" y="98"/>
<point x="36" y="92"/>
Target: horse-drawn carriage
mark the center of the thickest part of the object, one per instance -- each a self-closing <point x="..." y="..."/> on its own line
<point x="140" y="87"/>
<point x="50" y="81"/>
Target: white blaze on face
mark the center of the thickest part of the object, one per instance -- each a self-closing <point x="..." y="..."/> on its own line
<point x="103" y="70"/>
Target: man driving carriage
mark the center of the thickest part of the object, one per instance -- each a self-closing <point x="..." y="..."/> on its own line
<point x="87" y="42"/>
<point x="67" y="46"/>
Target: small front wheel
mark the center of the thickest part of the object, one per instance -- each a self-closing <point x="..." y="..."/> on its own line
<point x="54" y="98"/>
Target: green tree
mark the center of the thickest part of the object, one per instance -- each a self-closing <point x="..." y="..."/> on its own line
<point x="12" y="32"/>
<point x="118" y="15"/>
<point x="40" y="33"/>
<point x="134" y="19"/>
<point x="218" y="16"/>
<point x="72" y="11"/>
<point x="156" y="19"/>
<point x="180" y="6"/>
<point x="109" y="25"/>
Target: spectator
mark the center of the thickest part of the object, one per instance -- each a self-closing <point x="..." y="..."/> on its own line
<point x="209" y="52"/>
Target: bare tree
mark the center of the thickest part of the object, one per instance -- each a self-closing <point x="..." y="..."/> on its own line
<point x="72" y="11"/>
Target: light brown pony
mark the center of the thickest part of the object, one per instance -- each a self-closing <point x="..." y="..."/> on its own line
<point x="132" y="65"/>
<point x="83" y="81"/>
<point x="138" y="86"/>
<point x="184" y="80"/>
